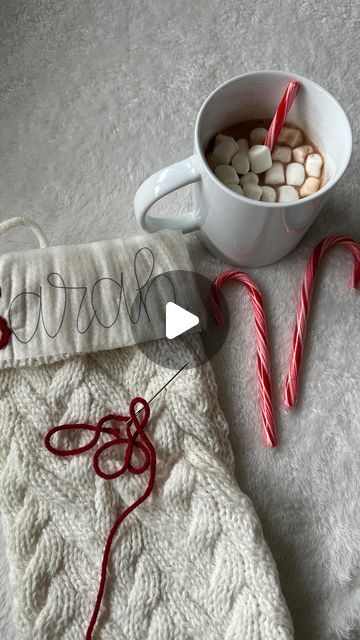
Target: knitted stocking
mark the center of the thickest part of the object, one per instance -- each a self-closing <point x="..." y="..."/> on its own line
<point x="189" y="563"/>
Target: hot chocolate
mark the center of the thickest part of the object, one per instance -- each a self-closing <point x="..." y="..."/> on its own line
<point x="293" y="170"/>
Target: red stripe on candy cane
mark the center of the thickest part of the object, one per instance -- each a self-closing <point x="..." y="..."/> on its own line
<point x="292" y="378"/>
<point x="263" y="360"/>
<point x="281" y="114"/>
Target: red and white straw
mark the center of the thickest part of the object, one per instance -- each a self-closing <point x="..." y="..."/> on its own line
<point x="292" y="379"/>
<point x="263" y="360"/>
<point x="281" y="114"/>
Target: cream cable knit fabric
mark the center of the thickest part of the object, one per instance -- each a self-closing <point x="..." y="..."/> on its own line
<point x="190" y="563"/>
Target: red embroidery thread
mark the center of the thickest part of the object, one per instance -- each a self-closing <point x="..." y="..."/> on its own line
<point x="5" y="333"/>
<point x="129" y="440"/>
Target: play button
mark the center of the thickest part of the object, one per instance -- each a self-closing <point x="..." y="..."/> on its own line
<point x="178" y="320"/>
<point x="172" y="321"/>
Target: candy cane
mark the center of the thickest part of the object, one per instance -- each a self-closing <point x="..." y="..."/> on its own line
<point x="281" y="113"/>
<point x="263" y="360"/>
<point x="292" y="379"/>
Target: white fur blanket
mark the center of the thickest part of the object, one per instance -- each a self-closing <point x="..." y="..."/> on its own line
<point x="94" y="96"/>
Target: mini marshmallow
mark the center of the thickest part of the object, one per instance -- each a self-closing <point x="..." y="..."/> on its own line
<point x="210" y="161"/>
<point x="260" y="158"/>
<point x="220" y="137"/>
<point x="310" y="186"/>
<point x="288" y="194"/>
<point x="281" y="154"/>
<point x="224" y="150"/>
<point x="252" y="191"/>
<point x="313" y="165"/>
<point x="243" y="144"/>
<point x="300" y="153"/>
<point x="257" y="136"/>
<point x="237" y="188"/>
<point x="227" y="174"/>
<point x="290" y="136"/>
<point x="275" y="175"/>
<point x="295" y="174"/>
<point x="268" y="194"/>
<point x="249" y="178"/>
<point x="240" y="162"/>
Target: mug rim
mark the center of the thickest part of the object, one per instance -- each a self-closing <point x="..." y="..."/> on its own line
<point x="326" y="187"/>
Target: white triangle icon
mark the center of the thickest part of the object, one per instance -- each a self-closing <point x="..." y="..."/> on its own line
<point x="178" y="320"/>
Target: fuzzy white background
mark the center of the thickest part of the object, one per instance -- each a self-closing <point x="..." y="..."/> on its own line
<point x="95" y="95"/>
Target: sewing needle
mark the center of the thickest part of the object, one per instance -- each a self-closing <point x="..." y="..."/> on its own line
<point x="160" y="390"/>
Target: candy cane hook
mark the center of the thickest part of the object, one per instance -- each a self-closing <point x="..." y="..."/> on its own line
<point x="263" y="360"/>
<point x="292" y="378"/>
<point x="281" y="113"/>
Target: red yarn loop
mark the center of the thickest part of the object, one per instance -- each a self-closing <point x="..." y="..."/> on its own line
<point x="125" y="437"/>
<point x="5" y="333"/>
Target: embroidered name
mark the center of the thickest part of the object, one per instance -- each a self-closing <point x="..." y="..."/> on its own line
<point x="82" y="307"/>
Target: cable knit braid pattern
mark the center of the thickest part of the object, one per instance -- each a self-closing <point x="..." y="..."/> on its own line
<point x="189" y="563"/>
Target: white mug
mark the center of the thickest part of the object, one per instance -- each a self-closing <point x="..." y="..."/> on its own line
<point x="241" y="231"/>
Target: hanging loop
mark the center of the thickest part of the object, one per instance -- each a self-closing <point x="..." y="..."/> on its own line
<point x="19" y="221"/>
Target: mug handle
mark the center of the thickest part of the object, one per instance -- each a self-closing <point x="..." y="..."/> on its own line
<point x="160" y="184"/>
